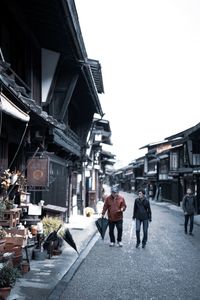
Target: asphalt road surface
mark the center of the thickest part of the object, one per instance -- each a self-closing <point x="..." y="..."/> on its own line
<point x="168" y="268"/>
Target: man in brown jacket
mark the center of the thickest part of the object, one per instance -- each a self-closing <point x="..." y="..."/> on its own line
<point x="115" y="205"/>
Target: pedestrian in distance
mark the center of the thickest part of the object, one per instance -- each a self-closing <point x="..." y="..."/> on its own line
<point x="142" y="215"/>
<point x="115" y="205"/>
<point x="189" y="205"/>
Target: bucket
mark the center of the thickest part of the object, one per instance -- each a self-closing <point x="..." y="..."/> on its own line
<point x="39" y="255"/>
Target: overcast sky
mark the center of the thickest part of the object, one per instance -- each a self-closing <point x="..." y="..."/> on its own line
<point x="149" y="51"/>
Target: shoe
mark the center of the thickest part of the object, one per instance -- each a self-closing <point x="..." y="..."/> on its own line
<point x="185" y="232"/>
<point x="119" y="244"/>
<point x="191" y="234"/>
<point x="112" y="244"/>
<point x="143" y="246"/>
<point x="137" y="245"/>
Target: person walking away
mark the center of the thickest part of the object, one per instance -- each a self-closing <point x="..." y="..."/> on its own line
<point x="189" y="206"/>
<point x="142" y="215"/>
<point x="115" y="205"/>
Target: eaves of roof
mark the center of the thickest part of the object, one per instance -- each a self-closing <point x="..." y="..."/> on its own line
<point x="55" y="25"/>
<point x="100" y="124"/>
<point x="108" y="162"/>
<point x="170" y="149"/>
<point x="29" y="103"/>
<point x="107" y="154"/>
<point x="97" y="74"/>
<point x="154" y="144"/>
<point x="87" y="73"/>
<point x="73" y="22"/>
<point x="185" y="133"/>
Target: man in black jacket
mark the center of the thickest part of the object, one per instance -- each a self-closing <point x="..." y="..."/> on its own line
<point x="189" y="208"/>
<point x="142" y="214"/>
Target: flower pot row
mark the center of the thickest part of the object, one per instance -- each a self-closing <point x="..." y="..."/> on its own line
<point x="8" y="277"/>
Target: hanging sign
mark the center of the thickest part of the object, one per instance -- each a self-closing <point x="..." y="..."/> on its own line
<point x="38" y="172"/>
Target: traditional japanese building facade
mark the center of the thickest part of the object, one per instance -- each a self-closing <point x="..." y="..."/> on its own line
<point x="168" y="168"/>
<point x="97" y="160"/>
<point x="49" y="95"/>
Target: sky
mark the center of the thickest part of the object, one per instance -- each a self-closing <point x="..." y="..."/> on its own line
<point x="149" y="51"/>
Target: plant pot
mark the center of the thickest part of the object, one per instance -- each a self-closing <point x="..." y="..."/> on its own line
<point x="25" y="267"/>
<point x="39" y="255"/>
<point x="2" y="245"/>
<point x="17" y="250"/>
<point x="5" y="292"/>
<point x="16" y="260"/>
<point x="9" y="247"/>
<point x="57" y="251"/>
<point x="16" y="240"/>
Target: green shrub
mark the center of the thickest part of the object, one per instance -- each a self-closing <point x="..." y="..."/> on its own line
<point x="2" y="233"/>
<point x="50" y="224"/>
<point x="8" y="275"/>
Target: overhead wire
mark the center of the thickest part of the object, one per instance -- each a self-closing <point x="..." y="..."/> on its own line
<point x="22" y="138"/>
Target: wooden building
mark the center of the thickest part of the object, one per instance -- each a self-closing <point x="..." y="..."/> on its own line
<point x="49" y="95"/>
<point x="97" y="160"/>
<point x="168" y="168"/>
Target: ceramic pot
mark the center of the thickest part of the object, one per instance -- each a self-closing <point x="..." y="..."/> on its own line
<point x="16" y="260"/>
<point x="5" y="292"/>
<point x="25" y="267"/>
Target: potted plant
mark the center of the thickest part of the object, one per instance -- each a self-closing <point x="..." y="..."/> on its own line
<point x="50" y="224"/>
<point x="2" y="238"/>
<point x="53" y="241"/>
<point x="2" y="233"/>
<point x="8" y="277"/>
<point x="89" y="211"/>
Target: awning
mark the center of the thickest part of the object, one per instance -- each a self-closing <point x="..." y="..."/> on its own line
<point x="11" y="109"/>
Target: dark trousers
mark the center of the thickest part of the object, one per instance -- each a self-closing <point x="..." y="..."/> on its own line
<point x="145" y="224"/>
<point x="119" y="226"/>
<point x="187" y="218"/>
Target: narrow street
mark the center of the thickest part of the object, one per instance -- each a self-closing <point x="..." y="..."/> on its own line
<point x="167" y="268"/>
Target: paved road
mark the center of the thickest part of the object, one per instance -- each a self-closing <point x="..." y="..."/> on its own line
<point x="168" y="268"/>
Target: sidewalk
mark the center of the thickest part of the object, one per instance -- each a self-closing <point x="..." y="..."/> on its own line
<point x="43" y="277"/>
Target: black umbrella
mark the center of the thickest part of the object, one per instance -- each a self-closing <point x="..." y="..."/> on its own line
<point x="52" y="241"/>
<point x="69" y="239"/>
<point x="102" y="224"/>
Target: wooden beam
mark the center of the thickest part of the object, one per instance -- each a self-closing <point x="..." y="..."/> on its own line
<point x="68" y="96"/>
